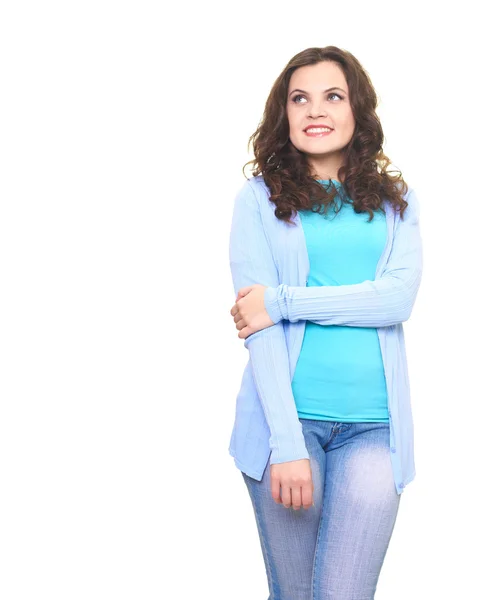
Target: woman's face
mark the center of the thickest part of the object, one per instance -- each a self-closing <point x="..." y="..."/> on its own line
<point x="318" y="95"/>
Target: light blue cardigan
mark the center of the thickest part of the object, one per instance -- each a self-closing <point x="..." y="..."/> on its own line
<point x="266" y="250"/>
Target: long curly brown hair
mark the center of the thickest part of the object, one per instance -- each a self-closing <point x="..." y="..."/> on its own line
<point x="286" y="171"/>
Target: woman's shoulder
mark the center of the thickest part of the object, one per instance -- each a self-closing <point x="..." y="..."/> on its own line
<point x="258" y="189"/>
<point x="413" y="202"/>
<point x="258" y="184"/>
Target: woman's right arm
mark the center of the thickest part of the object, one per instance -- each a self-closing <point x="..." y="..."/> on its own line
<point x="251" y="261"/>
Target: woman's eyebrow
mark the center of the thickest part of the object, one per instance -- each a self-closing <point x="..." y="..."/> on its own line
<point x="328" y="90"/>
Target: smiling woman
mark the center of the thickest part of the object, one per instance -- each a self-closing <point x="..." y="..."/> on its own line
<point x="326" y="260"/>
<point x="315" y="113"/>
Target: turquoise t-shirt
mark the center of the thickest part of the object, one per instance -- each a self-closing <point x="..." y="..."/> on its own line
<point x="340" y="373"/>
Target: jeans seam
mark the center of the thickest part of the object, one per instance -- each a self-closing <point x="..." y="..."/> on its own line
<point x="266" y="554"/>
<point x="269" y="566"/>
<point x="320" y="527"/>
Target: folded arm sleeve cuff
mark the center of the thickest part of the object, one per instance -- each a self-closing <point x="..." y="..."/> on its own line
<point x="272" y="305"/>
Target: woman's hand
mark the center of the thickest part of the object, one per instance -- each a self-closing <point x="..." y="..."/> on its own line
<point x="249" y="310"/>
<point x="294" y="480"/>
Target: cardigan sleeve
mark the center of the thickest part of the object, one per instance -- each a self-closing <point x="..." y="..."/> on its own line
<point x="379" y="303"/>
<point x="251" y="262"/>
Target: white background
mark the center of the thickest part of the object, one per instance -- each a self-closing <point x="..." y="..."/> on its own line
<point x="124" y="130"/>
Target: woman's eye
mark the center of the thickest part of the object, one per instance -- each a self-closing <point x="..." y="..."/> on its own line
<point x="294" y="99"/>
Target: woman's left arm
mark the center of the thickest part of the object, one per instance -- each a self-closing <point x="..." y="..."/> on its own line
<point x="379" y="303"/>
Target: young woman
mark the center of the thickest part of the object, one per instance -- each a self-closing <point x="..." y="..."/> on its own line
<point x="326" y="261"/>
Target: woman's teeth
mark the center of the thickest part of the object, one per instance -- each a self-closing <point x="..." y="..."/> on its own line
<point x="318" y="131"/>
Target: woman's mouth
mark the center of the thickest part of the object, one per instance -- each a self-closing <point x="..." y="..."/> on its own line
<point x="318" y="132"/>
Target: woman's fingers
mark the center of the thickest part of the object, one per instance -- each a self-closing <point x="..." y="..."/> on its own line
<point x="307" y="495"/>
<point x="296" y="497"/>
<point x="275" y="489"/>
<point x="286" y="496"/>
<point x="292" y="484"/>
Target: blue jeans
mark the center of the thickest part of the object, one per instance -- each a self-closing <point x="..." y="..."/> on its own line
<point x="335" y="549"/>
